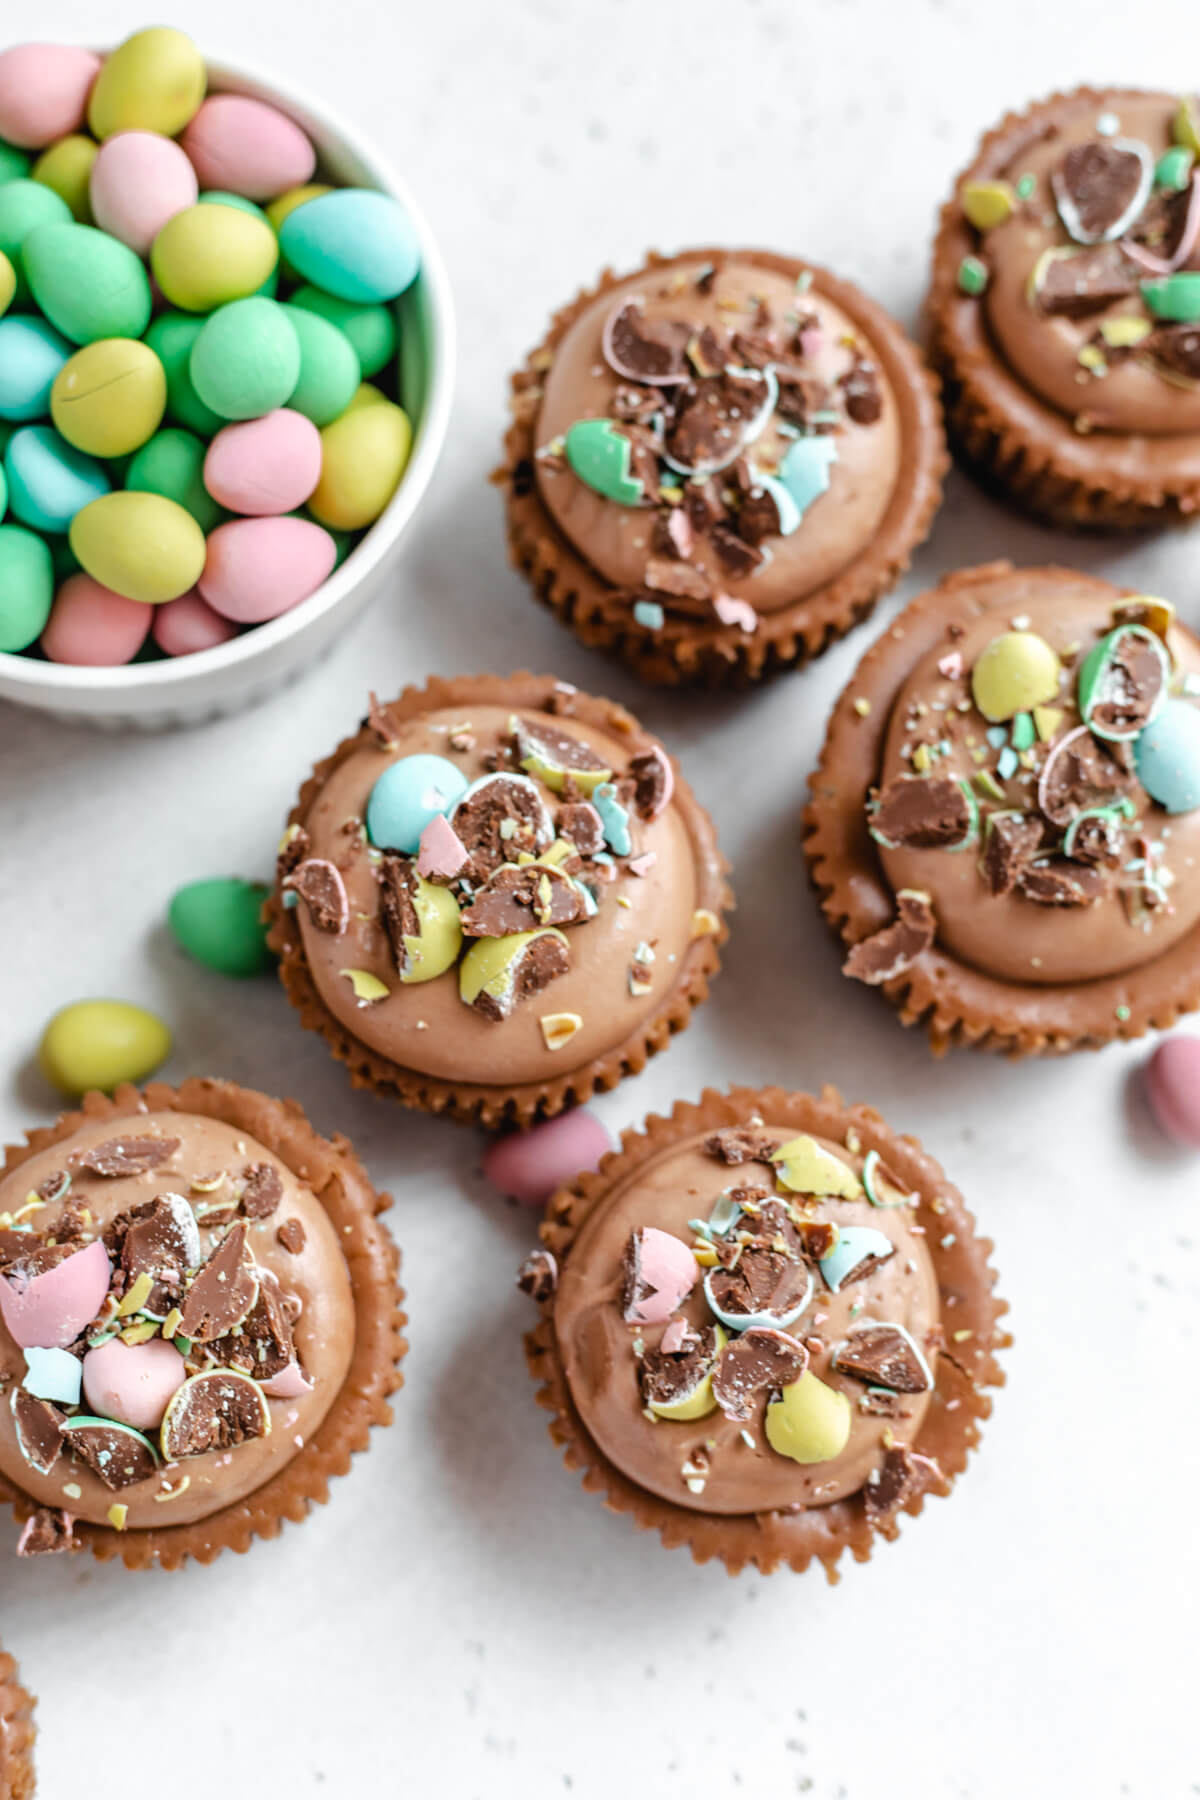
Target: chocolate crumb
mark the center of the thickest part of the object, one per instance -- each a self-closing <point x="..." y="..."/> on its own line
<point x="127" y="1156"/>
<point x="890" y="951"/>
<point x="291" y="1235"/>
<point x="538" y="1275"/>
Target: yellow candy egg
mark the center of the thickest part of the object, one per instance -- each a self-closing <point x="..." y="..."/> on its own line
<point x="287" y="203"/>
<point x="1016" y="672"/>
<point x="208" y="255"/>
<point x="109" y="398"/>
<point x="988" y="203"/>
<point x="698" y="1401"/>
<point x="363" y="456"/>
<point x="100" y="1044"/>
<point x="810" y="1421"/>
<point x="154" y="81"/>
<point x="8" y="283"/>
<point x="67" y="168"/>
<point x="140" y="545"/>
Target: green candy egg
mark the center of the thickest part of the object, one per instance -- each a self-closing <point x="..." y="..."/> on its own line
<point x="172" y="464"/>
<point x="246" y="359"/>
<point x="100" y="1044"/>
<point x="601" y="458"/>
<point x="208" y="255"/>
<point x="371" y="329"/>
<point x="88" y="284"/>
<point x="140" y="545"/>
<point x="67" y="168"/>
<point x="171" y="337"/>
<point x="26" y="587"/>
<point x="218" y="923"/>
<point x="329" y="368"/>
<point x="24" y="205"/>
<point x="14" y="164"/>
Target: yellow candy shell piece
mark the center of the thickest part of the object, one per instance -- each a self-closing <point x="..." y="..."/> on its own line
<point x="109" y="398"/>
<point x="1185" y="127"/>
<point x="988" y="203"/>
<point x="701" y="1401"/>
<point x="363" y="457"/>
<point x="8" y="283"/>
<point x="488" y="964"/>
<point x="806" y="1167"/>
<point x="154" y="81"/>
<point x="140" y="545"/>
<point x="810" y="1422"/>
<point x="1016" y="672"/>
<point x="367" y="987"/>
<point x="100" y="1044"/>
<point x="436" y="948"/>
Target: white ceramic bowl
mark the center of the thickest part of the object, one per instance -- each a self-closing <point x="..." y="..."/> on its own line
<point x="183" y="690"/>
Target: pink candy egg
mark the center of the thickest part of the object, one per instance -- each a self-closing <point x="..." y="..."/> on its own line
<point x="133" y="1382"/>
<point x="138" y="182"/>
<point x="93" y="627"/>
<point x="664" y="1273"/>
<point x="246" y="147"/>
<point x="258" y="568"/>
<point x="43" y="92"/>
<point x="1173" y="1089"/>
<point x="264" y="466"/>
<point x="529" y="1165"/>
<point x="50" y="1311"/>
<point x="188" y="624"/>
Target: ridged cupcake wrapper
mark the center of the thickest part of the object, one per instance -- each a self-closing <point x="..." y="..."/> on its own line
<point x="684" y="654"/>
<point x="951" y="1428"/>
<point x="957" y="1003"/>
<point x="336" y="1177"/>
<point x="17" y="1734"/>
<point x="1015" y="443"/>
<point x="478" y="1103"/>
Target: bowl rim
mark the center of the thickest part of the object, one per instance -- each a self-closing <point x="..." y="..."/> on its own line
<point x="48" y="679"/>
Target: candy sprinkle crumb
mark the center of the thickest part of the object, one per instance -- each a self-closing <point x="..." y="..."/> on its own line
<point x="862" y="708"/>
<point x="117" y="1516"/>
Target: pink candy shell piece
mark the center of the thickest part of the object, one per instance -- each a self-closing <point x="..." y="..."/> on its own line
<point x="441" y="850"/>
<point x="529" y="1165"/>
<point x="289" y="1384"/>
<point x="1173" y="1089"/>
<point x="44" y="91"/>
<point x="133" y="1382"/>
<point x="49" y="1312"/>
<point x="259" y="568"/>
<point x="139" y="181"/>
<point x="188" y="624"/>
<point x="246" y="147"/>
<point x="92" y="627"/>
<point x="667" y="1268"/>
<point x="264" y="466"/>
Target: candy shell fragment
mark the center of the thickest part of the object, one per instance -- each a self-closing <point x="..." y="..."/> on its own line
<point x="660" y="1271"/>
<point x="806" y="1167"/>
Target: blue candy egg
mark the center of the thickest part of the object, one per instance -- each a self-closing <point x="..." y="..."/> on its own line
<point x="409" y="794"/>
<point x="355" y="243"/>
<point x="49" y="481"/>
<point x="1167" y="754"/>
<point x="31" y="354"/>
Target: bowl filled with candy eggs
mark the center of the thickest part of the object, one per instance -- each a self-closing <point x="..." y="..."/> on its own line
<point x="226" y="364"/>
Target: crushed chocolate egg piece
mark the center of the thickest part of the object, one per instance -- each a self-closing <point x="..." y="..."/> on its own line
<point x="922" y="812"/>
<point x="653" y="782"/>
<point x="292" y="851"/>
<point x="666" y="1376"/>
<point x="1012" y="840"/>
<point x="883" y="1356"/>
<point x="539" y="962"/>
<point x="713" y="417"/>
<point x="118" y="1456"/>
<point x="262" y="1346"/>
<point x="48" y="1532"/>
<point x="862" y="392"/>
<point x="1095" y="185"/>
<point x="890" y="951"/>
<point x="682" y="581"/>
<point x="217" y="1410"/>
<point x="39" y="1429"/>
<point x="126" y="1156"/>
<point x="674" y="534"/>
<point x="503" y="817"/>
<point x="379" y="722"/>
<point x="736" y="1144"/>
<point x="522" y="898"/>
<point x="1176" y="350"/>
<point x="581" y="825"/>
<point x="762" y="1281"/>
<point x="905" y="1474"/>
<point x="1083" y="282"/>
<point x="161" y="1240"/>
<point x="1079" y="773"/>
<point x="758" y="1361"/>
<point x="1060" y="882"/>
<point x="320" y="885"/>
<point x="644" y="349"/>
<point x="262" y="1190"/>
<point x="291" y="1236"/>
<point x="397" y="904"/>
<point x="538" y="1275"/>
<point x="223" y="1291"/>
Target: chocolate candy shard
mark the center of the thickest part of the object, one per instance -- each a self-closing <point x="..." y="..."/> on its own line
<point x="294" y="846"/>
<point x="379" y="722"/>
<point x="1101" y="187"/>
<point x="160" y="1239"/>
<point x="262" y="1190"/>
<point x="1123" y="682"/>
<point x="904" y="1474"/>
<point x="500" y="817"/>
<point x="1175" y="349"/>
<point x="223" y="1292"/>
<point x="716" y="417"/>
<point x="291" y="1236"/>
<point x="520" y="899"/>
<point x="677" y="1384"/>
<point x="736" y="1144"/>
<point x="1072" y="284"/>
<point x="1011" y="840"/>
<point x="895" y="948"/>
<point x="924" y="812"/>
<point x="53" y="1188"/>
<point x="681" y="581"/>
<point x="765" y="1287"/>
<point x="48" y="1532"/>
<point x="862" y="392"/>
<point x="126" y="1156"/>
<point x="652" y="351"/>
<point x="217" y="1410"/>
<point x="580" y="824"/>
<point x="421" y="920"/>
<point x="754" y="1363"/>
<point x="1078" y="774"/>
<point x="1059" y="882"/>
<point x="557" y="757"/>
<point x="497" y="973"/>
<point x="859" y="1251"/>
<point x="1094" y="836"/>
<point x="263" y="1345"/>
<point x="538" y="1275"/>
<point x="38" y="1425"/>
<point x="320" y="885"/>
<point x="883" y="1187"/>
<point x="884" y="1356"/>
<point x="117" y="1454"/>
<point x="653" y="782"/>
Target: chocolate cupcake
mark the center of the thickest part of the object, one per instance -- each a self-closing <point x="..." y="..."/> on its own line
<point x="1065" y="309"/>
<point x="198" y="1322"/>
<point x="719" y="463"/>
<point x="17" y="1733"/>
<point x="1005" y="825"/>
<point x="496" y="898"/>
<point x="767" y="1328"/>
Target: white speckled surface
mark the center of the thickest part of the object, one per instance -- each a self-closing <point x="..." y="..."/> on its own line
<point x="462" y="1620"/>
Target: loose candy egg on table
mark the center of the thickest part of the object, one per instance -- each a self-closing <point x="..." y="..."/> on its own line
<point x="1173" y="1089"/>
<point x="100" y="1044"/>
<point x="219" y="923"/>
<point x="528" y="1166"/>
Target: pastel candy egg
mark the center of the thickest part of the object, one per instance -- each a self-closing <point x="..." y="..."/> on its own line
<point x="133" y="1383"/>
<point x="264" y="466"/>
<point x="246" y="358"/>
<point x="1173" y="1089"/>
<point x="529" y="1166"/>
<point x="172" y="464"/>
<point x="91" y="627"/>
<point x="408" y="794"/>
<point x="248" y="147"/>
<point x="3" y="491"/>
<point x="8" y="283"/>
<point x="87" y="284"/>
<point x="219" y="923"/>
<point x="24" y="205"/>
<point x="109" y="397"/>
<point x="49" y="1311"/>
<point x="14" y="164"/>
<point x="44" y="92"/>
<point x="363" y="457"/>
<point x="26" y="587"/>
<point x="171" y="337"/>
<point x="602" y="458"/>
<point x="355" y="243"/>
<point x="370" y="329"/>
<point x="210" y="254"/>
<point x="154" y="81"/>
<point x="1167" y="756"/>
<point x="139" y="181"/>
<point x="49" y="481"/>
<point x="329" y="368"/>
<point x="1016" y="672"/>
<point x="67" y="168"/>
<point x="140" y="545"/>
<point x="256" y="569"/>
<point x="664" y="1274"/>
<point x="285" y="204"/>
<point x="100" y="1044"/>
<point x="810" y="1422"/>
<point x="189" y="624"/>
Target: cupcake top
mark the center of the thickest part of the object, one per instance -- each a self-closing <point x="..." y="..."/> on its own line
<point x="500" y="890"/>
<point x="718" y="437"/>
<point x="1087" y="262"/>
<point x="176" y="1320"/>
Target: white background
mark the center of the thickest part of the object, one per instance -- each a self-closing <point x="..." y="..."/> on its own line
<point x="463" y="1621"/>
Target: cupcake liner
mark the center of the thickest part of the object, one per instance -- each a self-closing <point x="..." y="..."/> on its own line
<point x="1014" y="443"/>
<point x="957" y="1003"/>
<point x="680" y="654"/>
<point x="331" y="1169"/>
<point x="17" y="1734"/>
<point x="480" y="1103"/>
<point x="950" y="1429"/>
